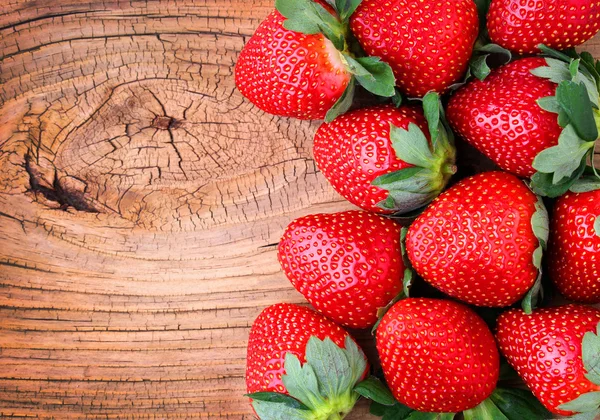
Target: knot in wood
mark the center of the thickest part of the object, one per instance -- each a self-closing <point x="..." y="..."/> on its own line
<point x="164" y="122"/>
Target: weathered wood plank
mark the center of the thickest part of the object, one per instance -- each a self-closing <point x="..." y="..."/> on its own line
<point x="140" y="201"/>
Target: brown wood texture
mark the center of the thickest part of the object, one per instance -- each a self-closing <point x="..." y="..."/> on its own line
<point x="141" y="200"/>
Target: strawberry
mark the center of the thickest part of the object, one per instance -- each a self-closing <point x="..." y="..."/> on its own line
<point x="298" y="63"/>
<point x="368" y="156"/>
<point x="428" y="43"/>
<point x="347" y="265"/>
<point x="521" y="26"/>
<point x="299" y="362"/>
<point x="290" y="74"/>
<point x="575" y="246"/>
<point x="500" y="116"/>
<point x="437" y="355"/>
<point x="556" y="353"/>
<point x="533" y="114"/>
<point x="481" y="241"/>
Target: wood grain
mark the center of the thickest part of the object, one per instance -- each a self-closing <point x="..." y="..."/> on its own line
<point x="141" y="201"/>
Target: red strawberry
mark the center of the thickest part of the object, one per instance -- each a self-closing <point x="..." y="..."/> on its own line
<point x="521" y="26"/>
<point x="575" y="246"/>
<point x="501" y="118"/>
<point x="437" y="355"/>
<point x="476" y="241"/>
<point x="290" y="74"/>
<point x="545" y="348"/>
<point x="299" y="62"/>
<point x="347" y="265"/>
<point x="357" y="150"/>
<point x="428" y="43"/>
<point x="283" y="337"/>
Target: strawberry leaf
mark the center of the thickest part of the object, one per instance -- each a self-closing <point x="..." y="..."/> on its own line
<point x="591" y="354"/>
<point x="411" y="145"/>
<point x="534" y="295"/>
<point x="309" y="17"/>
<point x="343" y="104"/>
<point x="479" y="63"/>
<point x="332" y="366"/>
<point x="597" y="225"/>
<point x="574" y="68"/>
<point x="550" y="104"/>
<point x="592" y="415"/>
<point x="589" y="63"/>
<point x="556" y="71"/>
<point x="324" y="384"/>
<point x="301" y="382"/>
<point x="550" y="52"/>
<point x="397" y="98"/>
<point x="585" y="184"/>
<point x="574" y="100"/>
<point x="519" y="404"/>
<point x="276" y="397"/>
<point x="275" y="411"/>
<point x="356" y="359"/>
<point x="345" y="8"/>
<point x="401" y="202"/>
<point x="373" y="389"/>
<point x="542" y="184"/>
<point x="394" y="412"/>
<point x="407" y="281"/>
<point x="583" y="404"/>
<point x="413" y="180"/>
<point x="540" y="224"/>
<point x="374" y="75"/>
<point x="565" y="158"/>
<point x="409" y="273"/>
<point x="487" y="410"/>
<point x="412" y="188"/>
<point x="417" y="415"/>
<point x="431" y="108"/>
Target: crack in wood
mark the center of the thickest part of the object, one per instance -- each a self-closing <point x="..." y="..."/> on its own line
<point x="57" y="193"/>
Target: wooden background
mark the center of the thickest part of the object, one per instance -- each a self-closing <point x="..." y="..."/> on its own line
<point x="141" y="201"/>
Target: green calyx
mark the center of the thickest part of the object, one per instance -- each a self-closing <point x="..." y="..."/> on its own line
<point x="577" y="103"/>
<point x="433" y="164"/>
<point x="508" y="404"/>
<point x="484" y="50"/>
<point x="588" y="404"/>
<point x="320" y="389"/>
<point x="540" y="224"/>
<point x="479" y="67"/>
<point x="503" y="404"/>
<point x="309" y="17"/>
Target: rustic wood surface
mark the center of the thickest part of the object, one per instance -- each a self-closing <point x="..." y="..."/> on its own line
<point x="141" y="200"/>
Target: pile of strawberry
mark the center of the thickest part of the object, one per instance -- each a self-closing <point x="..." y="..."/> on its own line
<point x="446" y="269"/>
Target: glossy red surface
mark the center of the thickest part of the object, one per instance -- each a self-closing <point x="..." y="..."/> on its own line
<point x="347" y="265"/>
<point x="475" y="241"/>
<point x="437" y="355"/>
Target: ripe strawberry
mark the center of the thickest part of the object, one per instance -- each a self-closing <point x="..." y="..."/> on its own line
<point x="575" y="246"/>
<point x="290" y="74"/>
<point x="501" y="118"/>
<point x="521" y="26"/>
<point x="283" y="337"/>
<point x="437" y="355"/>
<point x="427" y="43"/>
<point x="359" y="150"/>
<point x="481" y="241"/>
<point x="347" y="265"/>
<point x="299" y="62"/>
<point x="545" y="348"/>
